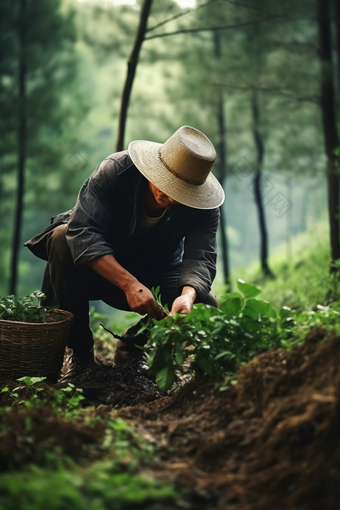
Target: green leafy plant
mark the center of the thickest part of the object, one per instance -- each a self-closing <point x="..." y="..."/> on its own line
<point x="69" y="397"/>
<point x="30" y="394"/>
<point x="210" y="340"/>
<point x="26" y="309"/>
<point x="326" y="317"/>
<point x="28" y="383"/>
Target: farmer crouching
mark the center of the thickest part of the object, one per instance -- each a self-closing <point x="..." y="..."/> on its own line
<point x="146" y="217"/>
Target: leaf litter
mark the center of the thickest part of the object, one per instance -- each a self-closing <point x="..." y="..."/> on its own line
<point x="269" y="441"/>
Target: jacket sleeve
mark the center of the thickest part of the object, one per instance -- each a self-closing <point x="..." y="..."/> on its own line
<point x="92" y="214"/>
<point x="199" y="257"/>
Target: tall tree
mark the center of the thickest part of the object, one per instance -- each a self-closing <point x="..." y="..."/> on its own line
<point x="222" y="163"/>
<point x="337" y="28"/>
<point x="37" y="65"/>
<point x="331" y="139"/>
<point x="131" y="71"/>
<point x="21" y="145"/>
<point x="260" y="151"/>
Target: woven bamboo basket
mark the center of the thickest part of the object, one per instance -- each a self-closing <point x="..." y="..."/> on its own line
<point x="34" y="349"/>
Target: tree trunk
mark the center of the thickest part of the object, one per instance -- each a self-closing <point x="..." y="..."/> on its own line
<point x="327" y="100"/>
<point x="222" y="169"/>
<point x="131" y="71"/>
<point x="337" y="27"/>
<point x="221" y="178"/>
<point x="257" y="185"/>
<point x="21" y="150"/>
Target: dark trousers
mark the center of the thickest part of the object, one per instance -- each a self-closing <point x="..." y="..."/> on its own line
<point x="73" y="287"/>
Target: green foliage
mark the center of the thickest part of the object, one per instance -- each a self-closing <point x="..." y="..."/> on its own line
<point x="209" y="340"/>
<point x="106" y="341"/>
<point x="305" y="280"/>
<point x="109" y="475"/>
<point x="101" y="487"/>
<point x="26" y="309"/>
<point x="29" y="395"/>
<point x="301" y="323"/>
<point x="29" y="383"/>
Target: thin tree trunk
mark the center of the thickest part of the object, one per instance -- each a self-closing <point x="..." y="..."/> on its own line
<point x="337" y="25"/>
<point x="257" y="186"/>
<point x="222" y="168"/>
<point x="221" y="178"/>
<point x="303" y="222"/>
<point x="289" y="219"/>
<point x="0" y="186"/>
<point x="21" y="151"/>
<point x="131" y="71"/>
<point x="331" y="141"/>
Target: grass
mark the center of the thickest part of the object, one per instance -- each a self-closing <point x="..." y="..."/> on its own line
<point x="97" y="488"/>
<point x="302" y="282"/>
<point x="106" y="470"/>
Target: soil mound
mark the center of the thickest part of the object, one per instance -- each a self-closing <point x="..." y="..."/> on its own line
<point x="34" y="435"/>
<point x="114" y="385"/>
<point x="271" y="441"/>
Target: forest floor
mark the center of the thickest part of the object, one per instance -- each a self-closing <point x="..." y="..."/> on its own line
<point x="270" y="441"/>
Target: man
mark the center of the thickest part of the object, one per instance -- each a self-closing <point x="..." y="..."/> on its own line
<point x="146" y="217"/>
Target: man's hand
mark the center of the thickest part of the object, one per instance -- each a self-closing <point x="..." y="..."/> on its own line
<point x="141" y="300"/>
<point x="184" y="303"/>
<point x="139" y="297"/>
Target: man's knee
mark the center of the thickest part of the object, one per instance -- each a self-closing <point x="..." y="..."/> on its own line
<point x="57" y="247"/>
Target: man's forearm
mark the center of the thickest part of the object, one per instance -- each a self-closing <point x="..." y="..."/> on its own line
<point x="108" y="267"/>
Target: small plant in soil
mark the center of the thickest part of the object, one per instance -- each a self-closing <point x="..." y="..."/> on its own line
<point x="26" y="309"/>
<point x="33" y="392"/>
<point x="210" y="340"/>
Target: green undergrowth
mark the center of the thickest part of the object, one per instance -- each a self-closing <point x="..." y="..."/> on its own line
<point x="209" y="340"/>
<point x="98" y="488"/>
<point x="30" y="392"/>
<point x="66" y="456"/>
<point x="303" y="281"/>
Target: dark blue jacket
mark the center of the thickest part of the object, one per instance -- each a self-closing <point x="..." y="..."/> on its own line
<point x="103" y="222"/>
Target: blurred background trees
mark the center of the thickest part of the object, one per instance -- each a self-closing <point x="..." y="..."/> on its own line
<point x="251" y="75"/>
<point x="39" y="101"/>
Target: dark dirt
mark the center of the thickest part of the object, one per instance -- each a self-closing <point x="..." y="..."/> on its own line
<point x="115" y="386"/>
<point x="107" y="384"/>
<point x="272" y="441"/>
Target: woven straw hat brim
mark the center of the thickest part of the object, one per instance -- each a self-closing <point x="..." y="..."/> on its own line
<point x="145" y="156"/>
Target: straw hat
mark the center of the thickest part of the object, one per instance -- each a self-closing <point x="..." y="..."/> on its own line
<point x="180" y="167"/>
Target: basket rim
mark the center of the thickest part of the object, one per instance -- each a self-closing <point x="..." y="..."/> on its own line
<point x="68" y="316"/>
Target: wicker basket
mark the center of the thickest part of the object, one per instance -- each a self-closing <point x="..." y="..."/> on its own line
<point x="34" y="349"/>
